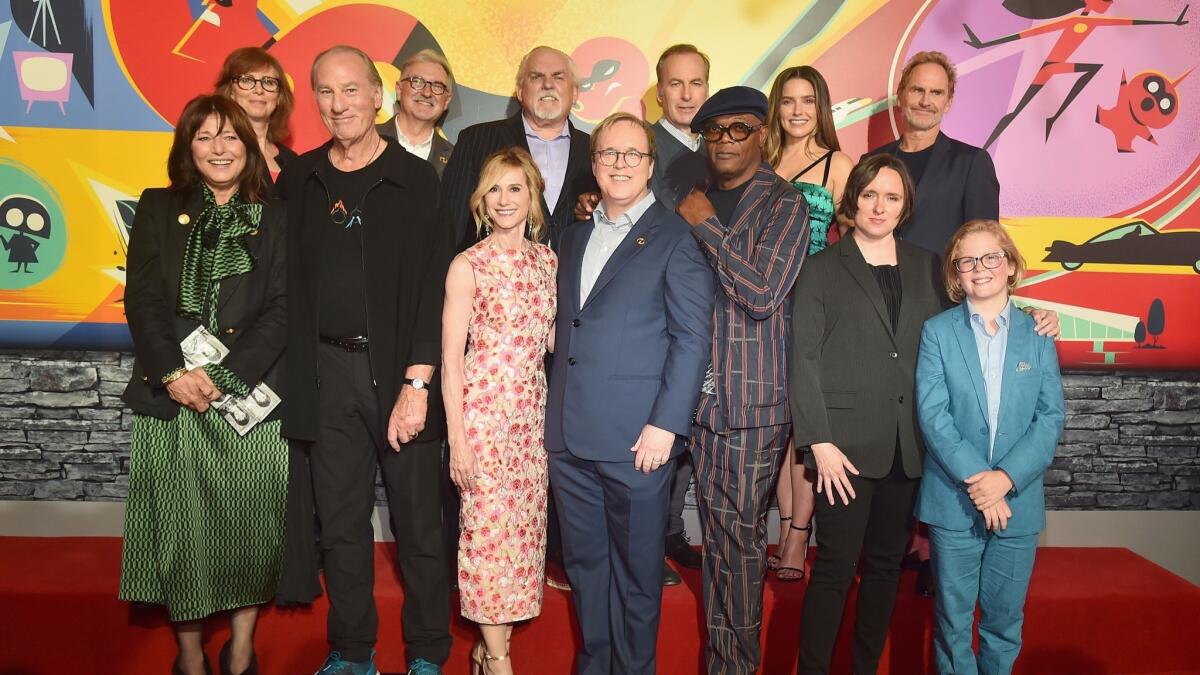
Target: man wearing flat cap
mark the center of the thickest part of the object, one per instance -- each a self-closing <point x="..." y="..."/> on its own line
<point x="753" y="228"/>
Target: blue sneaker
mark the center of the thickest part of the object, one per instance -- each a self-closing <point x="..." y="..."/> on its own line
<point x="423" y="667"/>
<point x="336" y="665"/>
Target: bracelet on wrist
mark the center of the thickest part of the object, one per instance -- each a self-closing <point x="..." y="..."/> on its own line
<point x="174" y="375"/>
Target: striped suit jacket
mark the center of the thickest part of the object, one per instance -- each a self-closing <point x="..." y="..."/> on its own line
<point x="474" y="145"/>
<point x="757" y="259"/>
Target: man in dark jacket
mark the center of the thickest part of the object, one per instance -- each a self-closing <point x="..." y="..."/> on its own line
<point x="367" y="262"/>
<point x="547" y="86"/>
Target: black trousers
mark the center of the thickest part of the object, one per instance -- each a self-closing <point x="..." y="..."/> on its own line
<point x="349" y="447"/>
<point x="680" y="483"/>
<point x="874" y="527"/>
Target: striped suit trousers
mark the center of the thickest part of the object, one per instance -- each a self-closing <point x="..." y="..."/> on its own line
<point x="735" y="480"/>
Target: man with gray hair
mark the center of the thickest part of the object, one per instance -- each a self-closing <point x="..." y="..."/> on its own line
<point x="423" y="93"/>
<point x="546" y="87"/>
<point x="366" y="264"/>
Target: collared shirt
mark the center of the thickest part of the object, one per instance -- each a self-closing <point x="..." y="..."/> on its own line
<point x="688" y="142"/>
<point x="551" y="159"/>
<point x="991" y="363"/>
<point x="419" y="149"/>
<point x="606" y="236"/>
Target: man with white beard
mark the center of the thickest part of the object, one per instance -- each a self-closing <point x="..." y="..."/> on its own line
<point x="546" y="87"/>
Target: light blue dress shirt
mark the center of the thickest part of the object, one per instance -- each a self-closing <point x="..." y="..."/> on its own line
<point x="551" y="158"/>
<point x="607" y="235"/>
<point x="991" y="362"/>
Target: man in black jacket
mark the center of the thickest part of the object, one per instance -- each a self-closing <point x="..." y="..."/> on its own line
<point x="367" y="261"/>
<point x="547" y="86"/>
<point x="956" y="182"/>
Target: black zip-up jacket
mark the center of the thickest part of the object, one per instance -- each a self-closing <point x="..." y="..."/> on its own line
<point x="406" y="253"/>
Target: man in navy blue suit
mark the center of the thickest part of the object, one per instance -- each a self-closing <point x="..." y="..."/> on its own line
<point x="634" y="336"/>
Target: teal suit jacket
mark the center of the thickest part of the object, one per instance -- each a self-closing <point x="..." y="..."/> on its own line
<point x="952" y="409"/>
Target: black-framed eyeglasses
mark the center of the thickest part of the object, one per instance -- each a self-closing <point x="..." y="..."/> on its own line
<point x="419" y="84"/>
<point x="247" y="82"/>
<point x="609" y="157"/>
<point x="737" y="132"/>
<point x="990" y="262"/>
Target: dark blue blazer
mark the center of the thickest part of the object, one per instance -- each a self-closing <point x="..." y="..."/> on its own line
<point x="635" y="352"/>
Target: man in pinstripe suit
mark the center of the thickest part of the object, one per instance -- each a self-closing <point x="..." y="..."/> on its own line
<point x="753" y="228"/>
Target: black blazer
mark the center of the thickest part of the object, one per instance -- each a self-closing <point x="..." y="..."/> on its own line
<point x="959" y="184"/>
<point x="251" y="310"/>
<point x="852" y="378"/>
<point x="283" y="158"/>
<point x="440" y="149"/>
<point x="475" y="143"/>
<point x="406" y="253"/>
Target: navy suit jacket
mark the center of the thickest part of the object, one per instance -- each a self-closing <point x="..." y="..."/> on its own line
<point x="952" y="401"/>
<point x="959" y="184"/>
<point x="635" y="352"/>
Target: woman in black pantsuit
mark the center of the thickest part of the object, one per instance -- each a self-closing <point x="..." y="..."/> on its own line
<point x="860" y="305"/>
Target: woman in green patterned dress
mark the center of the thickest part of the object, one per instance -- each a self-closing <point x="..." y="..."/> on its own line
<point x="802" y="146"/>
<point x="207" y="487"/>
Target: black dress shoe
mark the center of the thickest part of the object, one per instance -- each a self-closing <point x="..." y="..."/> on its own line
<point x="680" y="550"/>
<point x="925" y="580"/>
<point x="670" y="576"/>
<point x="223" y="662"/>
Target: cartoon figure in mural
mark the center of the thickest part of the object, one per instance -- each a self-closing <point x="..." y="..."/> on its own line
<point x="613" y="76"/>
<point x="28" y="217"/>
<point x="1073" y="30"/>
<point x="1149" y="101"/>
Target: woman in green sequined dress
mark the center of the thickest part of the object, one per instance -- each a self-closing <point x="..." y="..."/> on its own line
<point x="802" y="146"/>
<point x="204" y="519"/>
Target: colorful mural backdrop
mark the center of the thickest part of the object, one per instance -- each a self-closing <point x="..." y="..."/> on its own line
<point x="1091" y="118"/>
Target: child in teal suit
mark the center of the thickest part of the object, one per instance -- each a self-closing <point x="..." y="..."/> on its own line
<point x="990" y="402"/>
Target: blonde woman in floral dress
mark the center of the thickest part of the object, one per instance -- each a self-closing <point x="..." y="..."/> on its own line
<point x="497" y="325"/>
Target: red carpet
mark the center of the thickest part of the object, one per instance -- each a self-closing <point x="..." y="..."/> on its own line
<point x="1090" y="611"/>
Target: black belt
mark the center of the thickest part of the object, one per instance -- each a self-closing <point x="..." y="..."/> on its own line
<point x="358" y="343"/>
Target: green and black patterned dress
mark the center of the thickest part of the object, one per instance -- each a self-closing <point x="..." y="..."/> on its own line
<point x="205" y="516"/>
<point x="821" y="211"/>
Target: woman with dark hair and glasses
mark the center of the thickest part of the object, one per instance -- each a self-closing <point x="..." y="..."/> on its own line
<point x="255" y="79"/>
<point x="204" y="520"/>
<point x="860" y="305"/>
<point x="802" y="146"/>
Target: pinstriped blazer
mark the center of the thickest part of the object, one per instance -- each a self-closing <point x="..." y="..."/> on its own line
<point x="757" y="259"/>
<point x="474" y="145"/>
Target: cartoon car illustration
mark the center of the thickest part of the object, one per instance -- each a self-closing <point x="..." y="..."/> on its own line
<point x="1134" y="243"/>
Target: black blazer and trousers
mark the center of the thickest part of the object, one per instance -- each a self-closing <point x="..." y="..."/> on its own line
<point x="474" y="145"/>
<point x="852" y="379"/>
<point x="251" y="307"/>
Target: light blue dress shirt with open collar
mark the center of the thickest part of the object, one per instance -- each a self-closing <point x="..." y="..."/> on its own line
<point x="991" y="362"/>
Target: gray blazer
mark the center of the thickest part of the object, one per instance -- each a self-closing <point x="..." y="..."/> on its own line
<point x="677" y="169"/>
<point x="439" y="152"/>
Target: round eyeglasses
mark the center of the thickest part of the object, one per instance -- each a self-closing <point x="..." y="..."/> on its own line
<point x="990" y="262"/>
<point x="419" y="84"/>
<point x="247" y="82"/>
<point x="609" y="157"/>
<point x="737" y="132"/>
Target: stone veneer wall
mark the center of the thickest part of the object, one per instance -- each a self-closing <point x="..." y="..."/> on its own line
<point x="1130" y="443"/>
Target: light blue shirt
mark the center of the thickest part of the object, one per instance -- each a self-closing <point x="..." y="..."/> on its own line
<point x="607" y="235"/>
<point x="991" y="362"/>
<point x="551" y="159"/>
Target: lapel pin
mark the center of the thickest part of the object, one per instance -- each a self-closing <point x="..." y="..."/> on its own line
<point x="1023" y="366"/>
<point x="640" y="241"/>
<point x="184" y="219"/>
<point x="444" y="159"/>
<point x="254" y="232"/>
